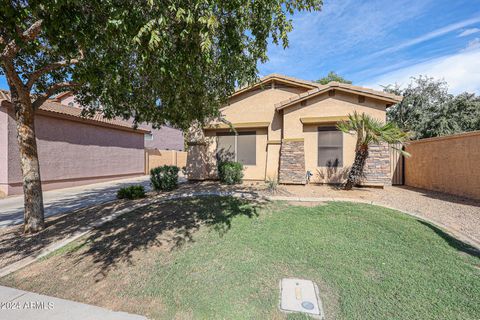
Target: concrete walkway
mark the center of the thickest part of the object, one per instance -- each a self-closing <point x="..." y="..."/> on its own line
<point x="23" y="305"/>
<point x="68" y="199"/>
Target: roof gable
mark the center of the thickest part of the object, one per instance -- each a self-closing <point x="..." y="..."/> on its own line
<point x="375" y="94"/>
<point x="278" y="78"/>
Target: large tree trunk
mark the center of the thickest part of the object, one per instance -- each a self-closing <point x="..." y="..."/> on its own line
<point x="32" y="187"/>
<point x="356" y="171"/>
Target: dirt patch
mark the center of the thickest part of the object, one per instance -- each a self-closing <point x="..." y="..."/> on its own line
<point x="308" y="204"/>
<point x="15" y="245"/>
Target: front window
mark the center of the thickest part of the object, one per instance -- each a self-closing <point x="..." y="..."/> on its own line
<point x="239" y="147"/>
<point x="330" y="147"/>
<point x="148" y="137"/>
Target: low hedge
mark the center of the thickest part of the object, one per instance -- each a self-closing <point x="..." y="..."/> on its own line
<point x="131" y="192"/>
<point x="230" y="172"/>
<point x="164" y="178"/>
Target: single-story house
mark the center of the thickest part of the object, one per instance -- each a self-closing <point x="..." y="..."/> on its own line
<point x="72" y="150"/>
<point x="286" y="127"/>
<point x="164" y="138"/>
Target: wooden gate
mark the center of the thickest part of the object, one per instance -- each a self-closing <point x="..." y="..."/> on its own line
<point x="397" y="165"/>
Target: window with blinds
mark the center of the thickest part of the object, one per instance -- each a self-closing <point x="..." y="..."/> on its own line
<point x="330" y="147"/>
<point x="241" y="147"/>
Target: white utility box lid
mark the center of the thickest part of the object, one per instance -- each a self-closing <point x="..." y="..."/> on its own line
<point x="298" y="295"/>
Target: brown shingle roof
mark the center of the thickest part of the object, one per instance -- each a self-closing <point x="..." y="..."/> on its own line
<point x="53" y="107"/>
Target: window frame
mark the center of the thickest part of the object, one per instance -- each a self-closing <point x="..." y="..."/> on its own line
<point x="340" y="146"/>
<point x="235" y="146"/>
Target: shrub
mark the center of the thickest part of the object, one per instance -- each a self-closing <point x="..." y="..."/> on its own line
<point x="131" y="192"/>
<point x="272" y="185"/>
<point x="164" y="178"/>
<point x="230" y="172"/>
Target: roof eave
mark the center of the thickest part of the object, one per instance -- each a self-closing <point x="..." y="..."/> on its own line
<point x="90" y="121"/>
<point x="288" y="103"/>
<point x="275" y="77"/>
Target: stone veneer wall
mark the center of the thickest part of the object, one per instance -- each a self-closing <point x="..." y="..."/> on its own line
<point x="377" y="167"/>
<point x="292" y="162"/>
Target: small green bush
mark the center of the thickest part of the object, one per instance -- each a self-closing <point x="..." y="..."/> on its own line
<point x="164" y="178"/>
<point x="230" y="172"/>
<point x="131" y="192"/>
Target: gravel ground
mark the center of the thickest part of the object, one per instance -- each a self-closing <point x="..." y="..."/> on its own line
<point x="460" y="216"/>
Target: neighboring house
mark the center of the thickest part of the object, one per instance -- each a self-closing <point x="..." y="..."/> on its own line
<point x="286" y="127"/>
<point x="72" y="150"/>
<point x="165" y="138"/>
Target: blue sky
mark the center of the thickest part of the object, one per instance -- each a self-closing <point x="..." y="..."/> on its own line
<point x="378" y="42"/>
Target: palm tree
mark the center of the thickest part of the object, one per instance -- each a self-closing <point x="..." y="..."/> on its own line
<point x="368" y="131"/>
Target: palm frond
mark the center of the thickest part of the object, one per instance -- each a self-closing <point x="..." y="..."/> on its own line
<point x="371" y="130"/>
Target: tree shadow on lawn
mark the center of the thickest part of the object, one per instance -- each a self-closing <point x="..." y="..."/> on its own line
<point x="15" y="245"/>
<point x="168" y="225"/>
<point x="454" y="243"/>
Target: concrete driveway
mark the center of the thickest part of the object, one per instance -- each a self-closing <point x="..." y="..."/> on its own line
<point x="68" y="199"/>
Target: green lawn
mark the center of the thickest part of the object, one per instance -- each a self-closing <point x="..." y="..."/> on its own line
<point x="223" y="258"/>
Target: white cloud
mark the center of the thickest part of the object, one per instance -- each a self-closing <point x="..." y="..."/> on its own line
<point x="468" y="32"/>
<point x="318" y="38"/>
<point x="461" y="71"/>
<point x="428" y="36"/>
<point x="473" y="44"/>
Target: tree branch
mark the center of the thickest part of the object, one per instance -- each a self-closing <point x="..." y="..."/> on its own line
<point x="34" y="76"/>
<point x="51" y="91"/>
<point x="11" y="75"/>
<point x="28" y="35"/>
<point x="32" y="32"/>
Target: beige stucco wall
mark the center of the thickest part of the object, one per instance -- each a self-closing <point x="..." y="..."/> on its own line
<point x="448" y="164"/>
<point x="273" y="159"/>
<point x="253" y="106"/>
<point x="251" y="172"/>
<point x="325" y="174"/>
<point x="259" y="106"/>
<point x="324" y="105"/>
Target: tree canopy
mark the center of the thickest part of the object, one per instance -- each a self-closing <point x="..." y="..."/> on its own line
<point x="332" y="76"/>
<point x="428" y="110"/>
<point x="154" y="61"/>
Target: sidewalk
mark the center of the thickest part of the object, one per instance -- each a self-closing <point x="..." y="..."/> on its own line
<point x="22" y="305"/>
<point x="68" y="199"/>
